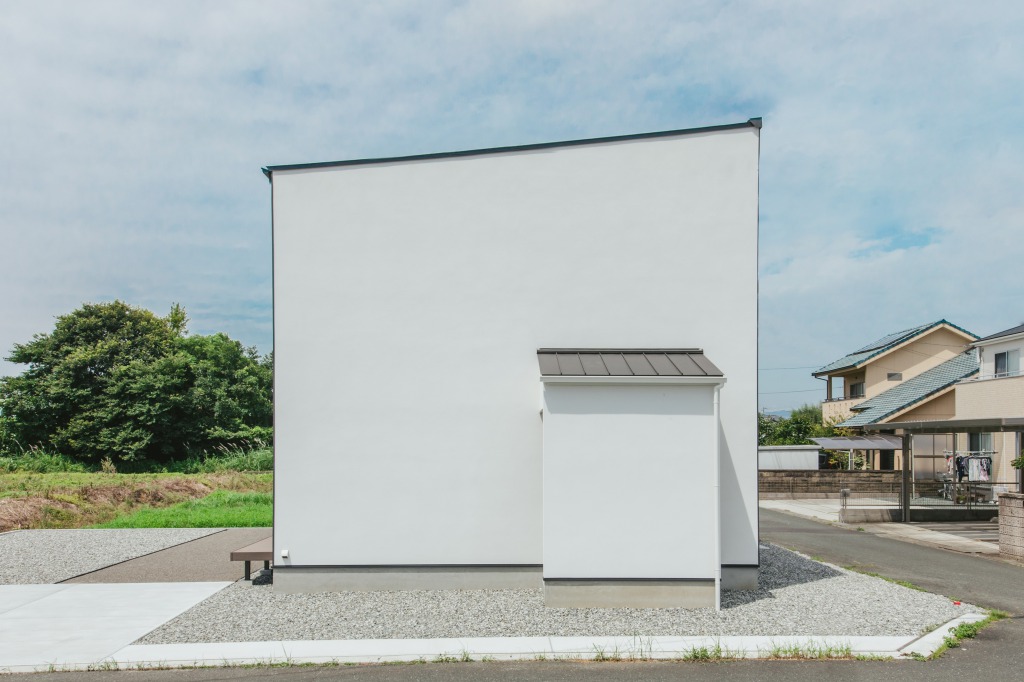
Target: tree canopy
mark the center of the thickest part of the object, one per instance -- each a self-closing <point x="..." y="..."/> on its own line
<point x="803" y="424"/>
<point x="114" y="380"/>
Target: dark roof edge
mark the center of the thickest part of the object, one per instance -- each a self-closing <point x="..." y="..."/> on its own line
<point x="750" y="123"/>
<point x="886" y="349"/>
<point x="1012" y="331"/>
<point x="620" y="350"/>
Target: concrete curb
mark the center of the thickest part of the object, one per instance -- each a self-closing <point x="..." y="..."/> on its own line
<point x="353" y="652"/>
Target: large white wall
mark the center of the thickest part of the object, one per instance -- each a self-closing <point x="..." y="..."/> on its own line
<point x="410" y="299"/>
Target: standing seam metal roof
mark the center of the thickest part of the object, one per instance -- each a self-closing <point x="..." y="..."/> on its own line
<point x="883" y="344"/>
<point x="625" y="362"/>
<point x="914" y="390"/>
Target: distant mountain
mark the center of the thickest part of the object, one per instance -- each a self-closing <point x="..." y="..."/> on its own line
<point x="782" y="414"/>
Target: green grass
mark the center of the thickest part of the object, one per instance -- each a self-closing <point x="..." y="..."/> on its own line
<point x="39" y="462"/>
<point x="967" y="631"/>
<point x="218" y="509"/>
<point x="253" y="457"/>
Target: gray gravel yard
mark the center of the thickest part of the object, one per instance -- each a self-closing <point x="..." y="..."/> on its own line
<point x="797" y="596"/>
<point x="52" y="556"/>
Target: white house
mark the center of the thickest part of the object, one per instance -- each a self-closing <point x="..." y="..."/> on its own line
<point x="522" y="366"/>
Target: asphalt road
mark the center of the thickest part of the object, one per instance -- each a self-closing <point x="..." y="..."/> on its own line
<point x="997" y="654"/>
<point x="988" y="582"/>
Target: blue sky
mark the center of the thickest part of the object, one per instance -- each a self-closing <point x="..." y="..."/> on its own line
<point x="132" y="136"/>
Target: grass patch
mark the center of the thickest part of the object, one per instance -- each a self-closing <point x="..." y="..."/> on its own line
<point x="810" y="651"/>
<point x="40" y="462"/>
<point x="220" y="508"/>
<point x="74" y="499"/>
<point x="967" y="631"/>
<point x="226" y="459"/>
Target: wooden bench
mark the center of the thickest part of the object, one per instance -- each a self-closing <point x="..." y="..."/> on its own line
<point x="257" y="551"/>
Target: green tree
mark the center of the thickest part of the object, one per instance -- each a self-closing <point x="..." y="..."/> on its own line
<point x="803" y="424"/>
<point x="113" y="380"/>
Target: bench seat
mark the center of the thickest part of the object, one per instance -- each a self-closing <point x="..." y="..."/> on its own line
<point x="257" y="551"/>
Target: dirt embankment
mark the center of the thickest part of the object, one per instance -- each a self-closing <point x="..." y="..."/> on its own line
<point x="77" y="500"/>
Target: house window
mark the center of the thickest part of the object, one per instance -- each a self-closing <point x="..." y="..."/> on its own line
<point x="1007" y="363"/>
<point x="857" y="390"/>
<point x="894" y="376"/>
<point x="979" y="441"/>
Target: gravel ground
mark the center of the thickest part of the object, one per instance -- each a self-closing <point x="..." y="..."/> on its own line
<point x="51" y="556"/>
<point x="797" y="596"/>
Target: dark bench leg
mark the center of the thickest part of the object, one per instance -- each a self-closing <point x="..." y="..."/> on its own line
<point x="266" y="565"/>
<point x="248" y="567"/>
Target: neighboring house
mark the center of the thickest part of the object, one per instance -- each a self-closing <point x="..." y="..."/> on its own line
<point x="490" y="370"/>
<point x="887" y="363"/>
<point x="996" y="391"/>
<point x="907" y="375"/>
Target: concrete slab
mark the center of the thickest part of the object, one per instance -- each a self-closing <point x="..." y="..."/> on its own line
<point x="203" y="560"/>
<point x="79" y="625"/>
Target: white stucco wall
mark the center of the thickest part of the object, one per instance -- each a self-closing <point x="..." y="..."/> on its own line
<point x="630" y="466"/>
<point x="410" y="299"/>
<point x="989" y="349"/>
<point x="778" y="457"/>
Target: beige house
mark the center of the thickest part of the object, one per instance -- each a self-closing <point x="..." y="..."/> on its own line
<point x="888" y="362"/>
<point x="906" y="375"/>
<point x="996" y="391"/>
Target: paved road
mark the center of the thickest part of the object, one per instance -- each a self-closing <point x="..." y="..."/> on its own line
<point x="983" y="581"/>
<point x="997" y="654"/>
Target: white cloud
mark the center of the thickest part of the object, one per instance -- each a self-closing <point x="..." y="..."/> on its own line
<point x="134" y="133"/>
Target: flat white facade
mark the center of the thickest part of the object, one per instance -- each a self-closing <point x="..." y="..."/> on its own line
<point x="1000" y="357"/>
<point x="785" y="457"/>
<point x="631" y="482"/>
<point x="410" y="299"/>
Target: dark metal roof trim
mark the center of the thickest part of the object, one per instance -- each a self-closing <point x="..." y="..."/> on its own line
<point x="1019" y="329"/>
<point x="626" y="362"/>
<point x="750" y="123"/>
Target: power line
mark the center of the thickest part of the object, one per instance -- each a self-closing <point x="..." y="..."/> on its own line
<point x="806" y="390"/>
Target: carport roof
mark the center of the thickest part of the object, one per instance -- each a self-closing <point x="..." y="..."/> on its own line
<point x="626" y="362"/>
<point x="879" y="442"/>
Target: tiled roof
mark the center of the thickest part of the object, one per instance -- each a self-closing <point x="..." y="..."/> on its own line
<point x="625" y="362"/>
<point x="880" y="346"/>
<point x="913" y="391"/>
<point x="1006" y="332"/>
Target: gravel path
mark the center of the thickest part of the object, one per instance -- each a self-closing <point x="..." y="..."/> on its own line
<point x="797" y="597"/>
<point x="51" y="556"/>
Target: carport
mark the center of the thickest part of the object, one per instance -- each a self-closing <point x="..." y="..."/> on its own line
<point x="907" y="430"/>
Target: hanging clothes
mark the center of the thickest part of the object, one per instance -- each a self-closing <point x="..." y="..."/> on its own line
<point x="961" y="467"/>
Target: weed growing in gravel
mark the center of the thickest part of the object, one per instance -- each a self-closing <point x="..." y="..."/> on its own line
<point x="871" y="657"/>
<point x="894" y="581"/>
<point x="445" y="658"/>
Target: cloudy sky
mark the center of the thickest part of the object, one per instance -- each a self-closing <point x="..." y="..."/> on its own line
<point x="892" y="155"/>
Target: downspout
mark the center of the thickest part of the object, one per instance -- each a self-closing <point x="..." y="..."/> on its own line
<point x="718" y="502"/>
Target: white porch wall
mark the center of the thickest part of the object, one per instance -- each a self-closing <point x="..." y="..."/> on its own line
<point x="629" y="481"/>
